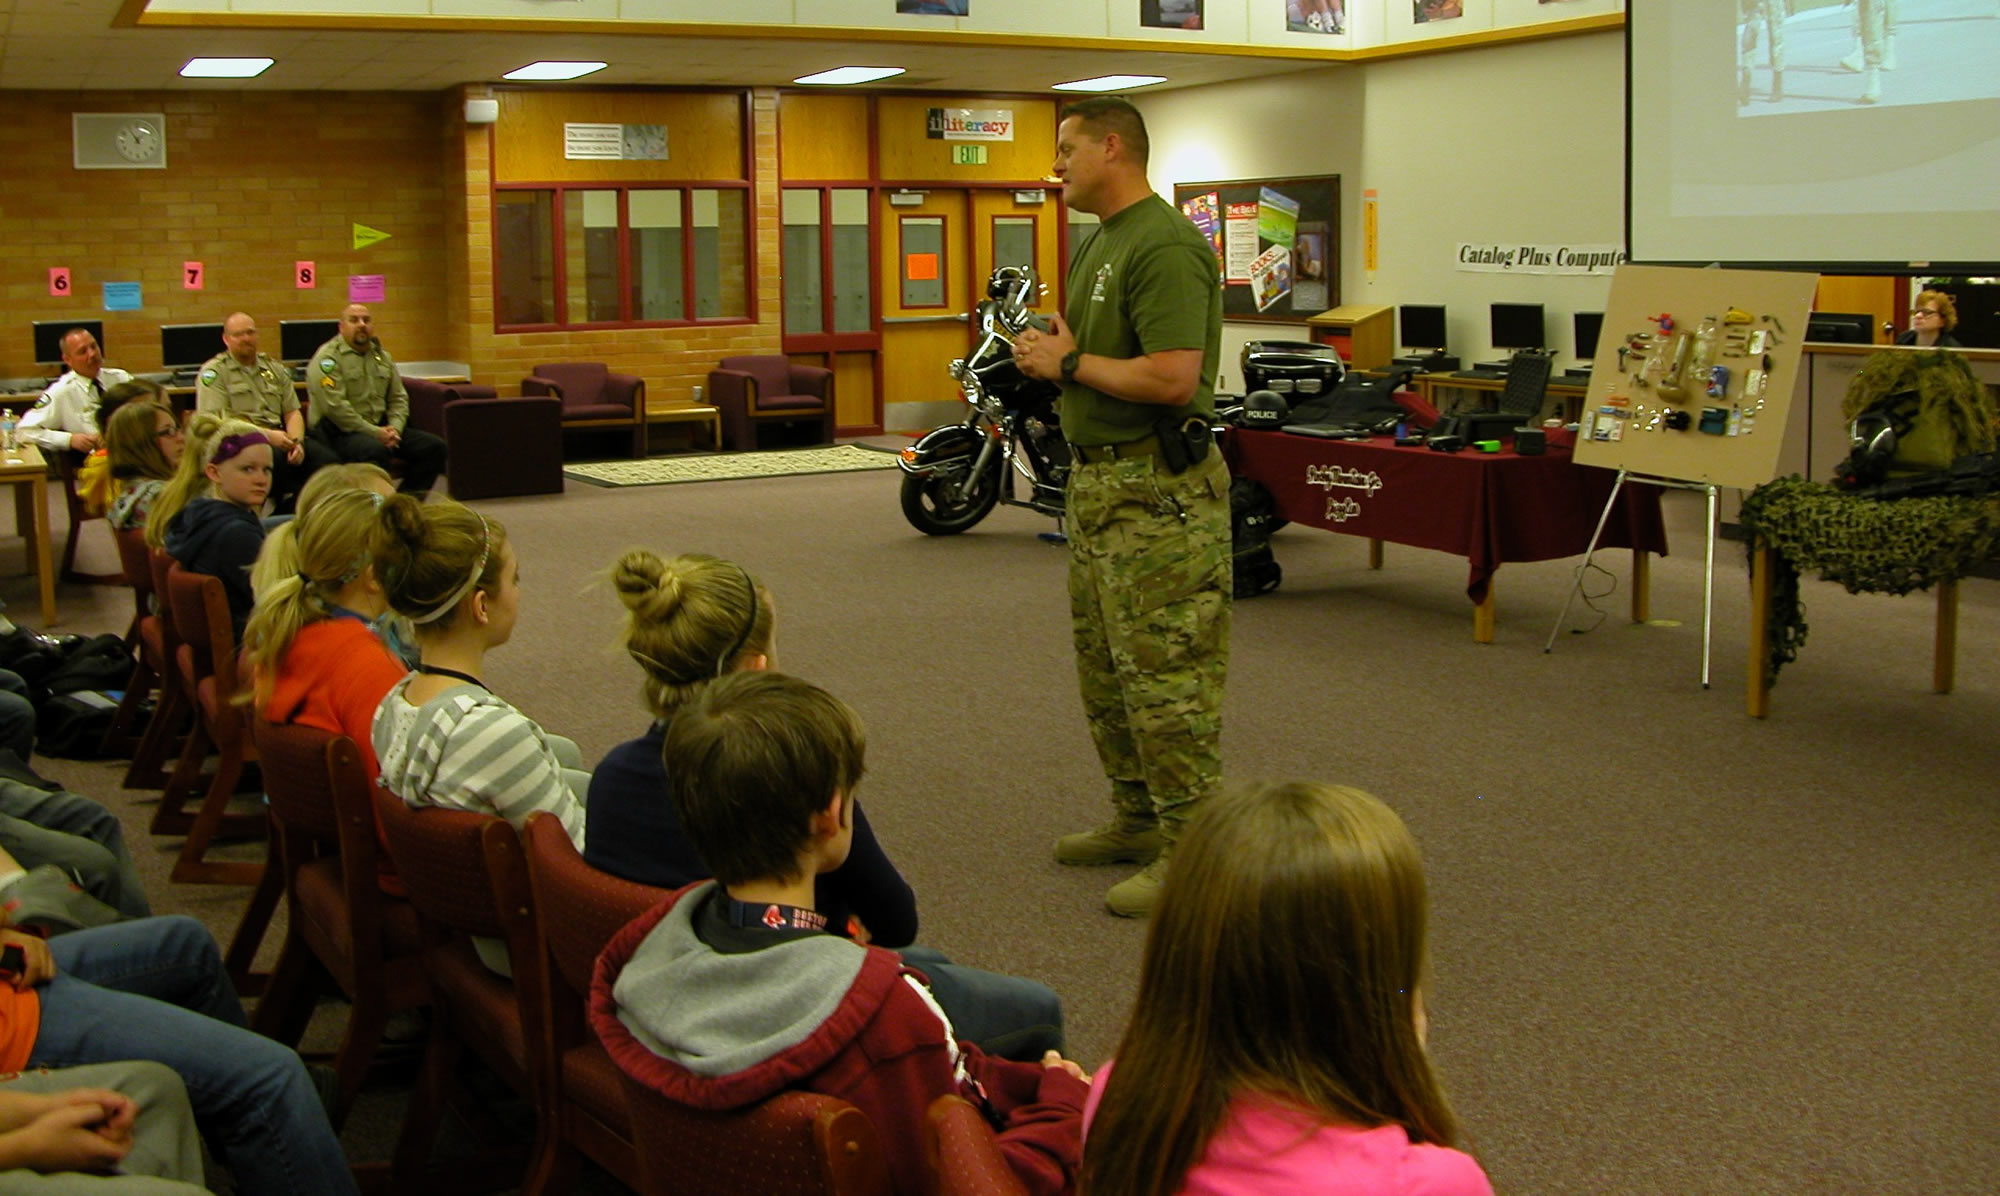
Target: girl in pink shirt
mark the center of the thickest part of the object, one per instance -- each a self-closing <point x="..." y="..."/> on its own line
<point x="1277" y="1040"/>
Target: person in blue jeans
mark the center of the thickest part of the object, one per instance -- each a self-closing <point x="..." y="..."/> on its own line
<point x="690" y="620"/>
<point x="155" y="990"/>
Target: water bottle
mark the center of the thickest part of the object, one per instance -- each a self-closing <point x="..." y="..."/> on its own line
<point x="7" y="425"/>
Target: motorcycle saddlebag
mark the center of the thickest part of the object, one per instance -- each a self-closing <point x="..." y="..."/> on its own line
<point x="1291" y="367"/>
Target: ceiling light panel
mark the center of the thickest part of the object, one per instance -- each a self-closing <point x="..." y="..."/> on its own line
<point x="850" y="75"/>
<point x="1111" y="83"/>
<point x="544" y="72"/>
<point x="225" y="68"/>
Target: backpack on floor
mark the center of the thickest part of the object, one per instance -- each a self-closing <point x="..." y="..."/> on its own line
<point x="1253" y="516"/>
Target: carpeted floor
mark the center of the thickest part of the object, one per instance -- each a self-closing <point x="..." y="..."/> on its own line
<point x="1676" y="950"/>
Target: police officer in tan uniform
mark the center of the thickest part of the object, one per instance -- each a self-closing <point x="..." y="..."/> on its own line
<point x="359" y="407"/>
<point x="241" y="383"/>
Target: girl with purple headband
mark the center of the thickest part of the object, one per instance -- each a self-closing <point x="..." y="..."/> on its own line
<point x="208" y="517"/>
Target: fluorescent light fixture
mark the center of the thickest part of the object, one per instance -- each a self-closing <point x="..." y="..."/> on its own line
<point x="549" y="71"/>
<point x="1110" y="83"/>
<point x="225" y="68"/>
<point x="850" y="74"/>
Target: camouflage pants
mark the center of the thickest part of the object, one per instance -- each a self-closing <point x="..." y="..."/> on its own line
<point x="1149" y="592"/>
<point x="1762" y="20"/>
<point x="1875" y="24"/>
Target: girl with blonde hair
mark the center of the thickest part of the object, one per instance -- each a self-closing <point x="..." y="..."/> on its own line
<point x="96" y="479"/>
<point x="443" y="738"/>
<point x="143" y="443"/>
<point x="279" y="558"/>
<point x="209" y="517"/>
<point x="693" y="618"/>
<point x="1277" y="1038"/>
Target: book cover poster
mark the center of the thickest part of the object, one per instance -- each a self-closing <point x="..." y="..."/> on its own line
<point x="1170" y="14"/>
<point x="1205" y="211"/>
<point x="1315" y="16"/>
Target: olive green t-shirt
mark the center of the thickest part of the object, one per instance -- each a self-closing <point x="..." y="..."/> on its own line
<point x="1145" y="281"/>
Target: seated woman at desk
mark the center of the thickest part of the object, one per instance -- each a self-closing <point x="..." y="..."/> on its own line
<point x="1932" y="317"/>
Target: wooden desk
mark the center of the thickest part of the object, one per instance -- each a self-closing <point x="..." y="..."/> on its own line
<point x="1428" y="385"/>
<point x="1487" y="508"/>
<point x="26" y="471"/>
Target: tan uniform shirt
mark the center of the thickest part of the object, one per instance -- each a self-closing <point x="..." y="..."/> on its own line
<point x="357" y="391"/>
<point x="261" y="392"/>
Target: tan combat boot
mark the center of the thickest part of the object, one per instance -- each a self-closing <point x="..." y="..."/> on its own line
<point x="1134" y="896"/>
<point x="1126" y="839"/>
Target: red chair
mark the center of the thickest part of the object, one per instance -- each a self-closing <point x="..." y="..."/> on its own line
<point x="467" y="876"/>
<point x="752" y="391"/>
<point x="964" y="1154"/>
<point x="579" y="909"/>
<point x="206" y="660"/>
<point x="149" y="675"/>
<point x="498" y="448"/>
<point x="594" y="397"/>
<point x="68" y="463"/>
<point x="794" y="1144"/>
<point x="342" y="931"/>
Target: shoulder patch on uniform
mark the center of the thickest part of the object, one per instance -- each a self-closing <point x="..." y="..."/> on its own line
<point x="207" y="376"/>
<point x="326" y="365"/>
<point x="326" y="382"/>
<point x="44" y="401"/>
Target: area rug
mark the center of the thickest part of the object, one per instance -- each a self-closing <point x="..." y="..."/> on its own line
<point x="724" y="467"/>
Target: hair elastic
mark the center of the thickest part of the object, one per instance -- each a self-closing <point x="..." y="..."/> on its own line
<point x="458" y="595"/>
<point x="749" y="625"/>
<point x="229" y="446"/>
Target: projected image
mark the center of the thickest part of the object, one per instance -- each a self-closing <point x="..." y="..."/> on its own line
<point x="1170" y="14"/>
<point x="1436" y="10"/>
<point x="1316" y="16"/>
<point x="935" y="8"/>
<point x="1796" y="56"/>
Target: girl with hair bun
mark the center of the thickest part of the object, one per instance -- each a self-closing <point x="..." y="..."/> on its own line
<point x="691" y="619"/>
<point x="442" y="737"/>
<point x="207" y="518"/>
<point x="143" y="444"/>
<point x="1277" y="1038"/>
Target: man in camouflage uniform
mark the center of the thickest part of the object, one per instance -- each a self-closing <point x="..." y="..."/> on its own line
<point x="242" y="383"/>
<point x="1875" y="48"/>
<point x="1149" y="575"/>
<point x="1765" y="18"/>
<point x="360" y="409"/>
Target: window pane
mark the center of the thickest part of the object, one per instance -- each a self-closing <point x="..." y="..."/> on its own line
<point x="801" y="262"/>
<point x="590" y="248"/>
<point x="853" y="273"/>
<point x="720" y="256"/>
<point x="524" y="250"/>
<point x="1081" y="225"/>
<point x="1014" y="241"/>
<point x="656" y="277"/>
<point x="921" y="261"/>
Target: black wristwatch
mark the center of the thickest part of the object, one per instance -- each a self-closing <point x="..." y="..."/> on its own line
<point x="1070" y="361"/>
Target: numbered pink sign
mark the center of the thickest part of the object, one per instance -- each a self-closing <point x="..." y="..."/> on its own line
<point x="59" y="281"/>
<point x="191" y="276"/>
<point x="306" y="275"/>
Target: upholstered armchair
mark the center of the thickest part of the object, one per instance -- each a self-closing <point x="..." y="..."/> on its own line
<point x="751" y="391"/>
<point x="496" y="447"/>
<point x="594" y="397"/>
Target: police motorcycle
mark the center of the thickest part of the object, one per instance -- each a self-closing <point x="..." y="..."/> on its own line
<point x="954" y="475"/>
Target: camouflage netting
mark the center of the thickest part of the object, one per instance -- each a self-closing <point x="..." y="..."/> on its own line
<point x="1872" y="545"/>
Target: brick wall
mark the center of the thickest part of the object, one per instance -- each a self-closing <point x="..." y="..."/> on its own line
<point x="671" y="360"/>
<point x="255" y="181"/>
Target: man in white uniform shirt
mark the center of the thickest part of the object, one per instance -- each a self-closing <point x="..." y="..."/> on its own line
<point x="65" y="417"/>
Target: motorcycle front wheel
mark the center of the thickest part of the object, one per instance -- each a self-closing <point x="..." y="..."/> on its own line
<point x="938" y="506"/>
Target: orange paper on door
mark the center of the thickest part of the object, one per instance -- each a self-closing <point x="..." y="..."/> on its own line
<point x="920" y="267"/>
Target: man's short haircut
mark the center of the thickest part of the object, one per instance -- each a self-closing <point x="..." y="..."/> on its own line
<point x="1099" y="115"/>
<point x="71" y="334"/>
<point x="750" y="760"/>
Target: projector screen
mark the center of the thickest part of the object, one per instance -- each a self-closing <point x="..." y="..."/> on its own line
<point x="1855" y="158"/>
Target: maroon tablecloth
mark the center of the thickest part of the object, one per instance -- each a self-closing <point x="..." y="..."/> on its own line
<point x="1489" y="508"/>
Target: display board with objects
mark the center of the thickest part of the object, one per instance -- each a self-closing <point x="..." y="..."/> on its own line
<point x="1694" y="373"/>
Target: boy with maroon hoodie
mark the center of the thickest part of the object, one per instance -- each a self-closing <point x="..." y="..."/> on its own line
<point x="735" y="989"/>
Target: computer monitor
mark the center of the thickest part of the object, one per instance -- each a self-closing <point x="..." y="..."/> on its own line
<point x="1421" y="326"/>
<point x="298" y="340"/>
<point x="1588" y="325"/>
<point x="1517" y="326"/>
<point x="1841" y="327"/>
<point x="184" y="346"/>
<point x="49" y="336"/>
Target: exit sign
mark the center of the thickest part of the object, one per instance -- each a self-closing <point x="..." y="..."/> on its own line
<point x="968" y="155"/>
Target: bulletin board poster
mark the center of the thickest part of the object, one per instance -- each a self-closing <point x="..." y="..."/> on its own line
<point x="1276" y="243"/>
